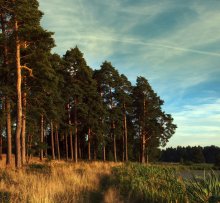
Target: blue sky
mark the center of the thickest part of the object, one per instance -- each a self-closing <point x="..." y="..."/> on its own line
<point x="175" y="44"/>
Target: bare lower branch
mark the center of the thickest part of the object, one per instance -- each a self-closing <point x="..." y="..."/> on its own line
<point x="28" y="69"/>
<point x="6" y="8"/>
<point x="148" y="138"/>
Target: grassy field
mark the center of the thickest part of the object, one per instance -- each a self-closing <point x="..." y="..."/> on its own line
<point x="104" y="182"/>
<point x="59" y="182"/>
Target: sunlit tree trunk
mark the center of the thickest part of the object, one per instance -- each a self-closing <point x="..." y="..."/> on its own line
<point x="19" y="100"/>
<point x="104" y="152"/>
<point x="23" y="133"/>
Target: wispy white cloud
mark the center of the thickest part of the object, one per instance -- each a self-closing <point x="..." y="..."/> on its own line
<point x="140" y="42"/>
<point x="198" y="124"/>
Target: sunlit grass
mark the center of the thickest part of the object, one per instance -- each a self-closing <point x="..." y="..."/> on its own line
<point x="56" y="182"/>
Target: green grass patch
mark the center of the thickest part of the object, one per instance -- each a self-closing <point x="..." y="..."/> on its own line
<point x="141" y="183"/>
<point x="158" y="183"/>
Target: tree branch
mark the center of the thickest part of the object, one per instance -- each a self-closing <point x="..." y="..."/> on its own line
<point x="28" y="69"/>
<point x="148" y="138"/>
<point x="6" y="8"/>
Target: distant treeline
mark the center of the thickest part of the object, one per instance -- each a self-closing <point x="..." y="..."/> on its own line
<point x="197" y="154"/>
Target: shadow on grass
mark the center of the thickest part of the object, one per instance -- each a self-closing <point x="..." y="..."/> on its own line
<point x="86" y="196"/>
<point x="97" y="196"/>
<point x="39" y="169"/>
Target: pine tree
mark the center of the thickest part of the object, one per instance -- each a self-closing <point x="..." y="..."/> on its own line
<point x="57" y="98"/>
<point x="151" y="122"/>
<point x="107" y="78"/>
<point x="75" y="66"/>
<point x="95" y="111"/>
<point x="123" y="94"/>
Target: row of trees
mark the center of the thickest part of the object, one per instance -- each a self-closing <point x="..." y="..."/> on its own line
<point x="59" y="107"/>
<point x="209" y="154"/>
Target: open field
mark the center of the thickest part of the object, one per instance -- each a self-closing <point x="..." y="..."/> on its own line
<point x="58" y="182"/>
<point x="53" y="181"/>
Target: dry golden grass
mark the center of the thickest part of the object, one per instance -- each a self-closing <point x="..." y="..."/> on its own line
<point x="58" y="182"/>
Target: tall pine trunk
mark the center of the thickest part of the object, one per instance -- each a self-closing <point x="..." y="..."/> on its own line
<point x="52" y="140"/>
<point x="104" y="147"/>
<point x="113" y="129"/>
<point x="114" y="142"/>
<point x="125" y="134"/>
<point x="23" y="133"/>
<point x="143" y="148"/>
<point x="71" y="143"/>
<point x="29" y="146"/>
<point x="57" y="142"/>
<point x="42" y="137"/>
<point x="8" y="128"/>
<point x="45" y="141"/>
<point x="19" y="100"/>
<point x="143" y="132"/>
<point x="76" y="131"/>
<point x="70" y="132"/>
<point x="66" y="145"/>
<point x="104" y="152"/>
<point x="89" y="144"/>
<point x="123" y="147"/>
